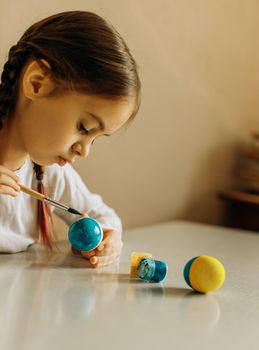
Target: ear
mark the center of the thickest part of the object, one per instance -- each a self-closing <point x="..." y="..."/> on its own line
<point x="36" y="81"/>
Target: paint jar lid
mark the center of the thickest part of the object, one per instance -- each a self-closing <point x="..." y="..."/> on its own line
<point x="152" y="270"/>
<point x="85" y="234"/>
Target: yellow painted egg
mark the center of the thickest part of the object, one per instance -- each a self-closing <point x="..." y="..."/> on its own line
<point x="204" y="273"/>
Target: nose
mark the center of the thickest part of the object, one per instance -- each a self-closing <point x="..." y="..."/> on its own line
<point x="81" y="149"/>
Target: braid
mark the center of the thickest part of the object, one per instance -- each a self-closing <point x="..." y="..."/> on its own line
<point x="17" y="56"/>
<point x="45" y="219"/>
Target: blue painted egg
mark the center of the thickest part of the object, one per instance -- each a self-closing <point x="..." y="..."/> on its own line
<point x="85" y="234"/>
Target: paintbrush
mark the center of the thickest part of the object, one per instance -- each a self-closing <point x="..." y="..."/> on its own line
<point x="48" y="200"/>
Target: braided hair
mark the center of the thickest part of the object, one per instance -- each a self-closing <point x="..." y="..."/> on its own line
<point x="18" y="54"/>
<point x="45" y="218"/>
<point x="87" y="55"/>
<point x="16" y="59"/>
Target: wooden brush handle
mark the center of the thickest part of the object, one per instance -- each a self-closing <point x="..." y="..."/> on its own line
<point x="32" y="193"/>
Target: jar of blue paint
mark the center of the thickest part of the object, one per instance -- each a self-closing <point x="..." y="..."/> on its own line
<point x="85" y="234"/>
<point x="152" y="270"/>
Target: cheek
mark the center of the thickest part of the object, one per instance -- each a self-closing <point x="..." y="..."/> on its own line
<point x="47" y="140"/>
<point x="47" y="130"/>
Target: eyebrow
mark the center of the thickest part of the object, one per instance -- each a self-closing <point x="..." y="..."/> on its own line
<point x="100" y="122"/>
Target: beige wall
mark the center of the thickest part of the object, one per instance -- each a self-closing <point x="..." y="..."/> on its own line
<point x="199" y="68"/>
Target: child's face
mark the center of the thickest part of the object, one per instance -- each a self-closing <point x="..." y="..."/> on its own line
<point x="66" y="126"/>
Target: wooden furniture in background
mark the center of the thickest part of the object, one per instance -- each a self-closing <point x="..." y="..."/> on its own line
<point x="241" y="209"/>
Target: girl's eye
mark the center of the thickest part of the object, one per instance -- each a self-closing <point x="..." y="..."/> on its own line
<point x="82" y="129"/>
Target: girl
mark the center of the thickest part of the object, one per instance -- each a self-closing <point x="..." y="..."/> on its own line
<point x="69" y="80"/>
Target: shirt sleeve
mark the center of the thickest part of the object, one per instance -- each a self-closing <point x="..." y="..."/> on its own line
<point x="67" y="187"/>
<point x="13" y="243"/>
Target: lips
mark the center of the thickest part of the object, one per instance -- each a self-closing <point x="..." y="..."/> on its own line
<point x="64" y="160"/>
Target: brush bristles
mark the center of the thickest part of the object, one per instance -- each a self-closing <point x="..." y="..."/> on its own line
<point x="74" y="211"/>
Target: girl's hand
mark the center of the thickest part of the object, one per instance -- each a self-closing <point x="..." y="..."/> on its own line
<point x="107" y="251"/>
<point x="8" y="182"/>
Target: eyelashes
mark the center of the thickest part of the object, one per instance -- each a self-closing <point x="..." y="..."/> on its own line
<point x="83" y="130"/>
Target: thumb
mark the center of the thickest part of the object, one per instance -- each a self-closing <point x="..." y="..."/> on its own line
<point x="100" y="246"/>
<point x="84" y="215"/>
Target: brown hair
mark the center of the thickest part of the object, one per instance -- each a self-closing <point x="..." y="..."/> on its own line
<point x="86" y="54"/>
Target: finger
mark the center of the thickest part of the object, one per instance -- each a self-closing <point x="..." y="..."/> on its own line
<point x="111" y="238"/>
<point x="8" y="190"/>
<point x="106" y="260"/>
<point x="87" y="254"/>
<point x="9" y="172"/>
<point x="8" y="181"/>
<point x="103" y="260"/>
<point x="101" y="246"/>
<point x="109" y="246"/>
<point x="93" y="260"/>
<point x="84" y="215"/>
<point x="108" y="250"/>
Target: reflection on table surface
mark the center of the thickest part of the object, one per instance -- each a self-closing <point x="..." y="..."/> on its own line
<point x="56" y="300"/>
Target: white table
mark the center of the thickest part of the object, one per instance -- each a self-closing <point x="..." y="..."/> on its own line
<point x="55" y="301"/>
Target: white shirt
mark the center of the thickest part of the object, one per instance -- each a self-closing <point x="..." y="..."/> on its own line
<point x="18" y="215"/>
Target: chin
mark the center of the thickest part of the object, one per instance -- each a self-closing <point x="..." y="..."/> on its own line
<point x="42" y="162"/>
